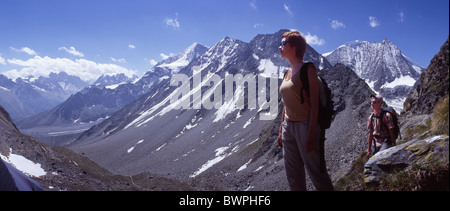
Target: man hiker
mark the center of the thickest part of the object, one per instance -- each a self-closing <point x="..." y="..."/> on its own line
<point x="381" y="127"/>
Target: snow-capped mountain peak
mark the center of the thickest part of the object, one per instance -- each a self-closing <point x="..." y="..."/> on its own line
<point x="175" y="63"/>
<point x="224" y="47"/>
<point x="374" y="61"/>
<point x="382" y="64"/>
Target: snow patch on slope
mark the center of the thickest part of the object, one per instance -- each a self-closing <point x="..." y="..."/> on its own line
<point x="24" y="165"/>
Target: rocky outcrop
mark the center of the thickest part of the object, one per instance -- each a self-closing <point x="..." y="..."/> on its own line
<point x="413" y="154"/>
<point x="432" y="86"/>
<point x="5" y="119"/>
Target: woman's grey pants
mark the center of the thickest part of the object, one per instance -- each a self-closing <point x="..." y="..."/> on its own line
<point x="296" y="158"/>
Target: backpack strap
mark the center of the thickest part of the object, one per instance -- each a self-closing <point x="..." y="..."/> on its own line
<point x="371" y="120"/>
<point x="373" y="139"/>
<point x="383" y="113"/>
<point x="304" y="80"/>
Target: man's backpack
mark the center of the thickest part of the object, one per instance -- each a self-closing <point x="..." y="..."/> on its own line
<point x="394" y="116"/>
<point x="326" y="104"/>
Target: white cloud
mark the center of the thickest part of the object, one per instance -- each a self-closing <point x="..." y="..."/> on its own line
<point x="286" y="7"/>
<point x="336" y="24"/>
<point x="43" y="66"/>
<point x="72" y="51"/>
<point x="122" y="60"/>
<point x="173" y="22"/>
<point x="153" y="62"/>
<point x="130" y="46"/>
<point x="258" y="25"/>
<point x="2" y="60"/>
<point x="314" y="39"/>
<point x="401" y="17"/>
<point x="164" y="56"/>
<point x="253" y="5"/>
<point x="24" y="50"/>
<point x="373" y="22"/>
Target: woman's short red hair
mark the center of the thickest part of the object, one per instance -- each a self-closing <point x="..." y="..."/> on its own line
<point x="295" y="39"/>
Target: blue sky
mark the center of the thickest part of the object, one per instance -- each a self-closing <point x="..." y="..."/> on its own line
<point x="104" y="36"/>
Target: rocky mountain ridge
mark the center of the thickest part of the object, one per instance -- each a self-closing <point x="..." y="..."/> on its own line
<point x="97" y="102"/>
<point x="432" y="86"/>
<point x="29" y="96"/>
